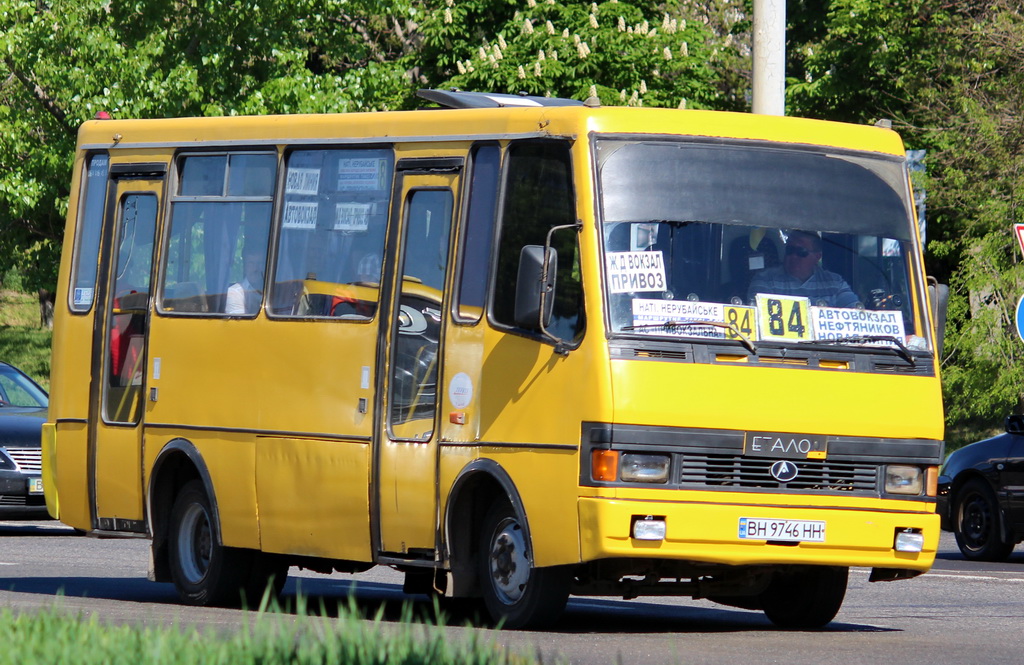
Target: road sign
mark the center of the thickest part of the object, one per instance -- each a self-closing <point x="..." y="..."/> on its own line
<point x="1018" y="230"/>
<point x="1020" y="318"/>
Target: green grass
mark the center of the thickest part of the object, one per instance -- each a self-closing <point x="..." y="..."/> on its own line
<point x="53" y="636"/>
<point x="23" y="343"/>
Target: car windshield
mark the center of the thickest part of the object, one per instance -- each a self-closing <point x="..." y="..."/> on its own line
<point x="17" y="390"/>
<point x="758" y="244"/>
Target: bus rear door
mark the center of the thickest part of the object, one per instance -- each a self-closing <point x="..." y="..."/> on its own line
<point x="119" y="348"/>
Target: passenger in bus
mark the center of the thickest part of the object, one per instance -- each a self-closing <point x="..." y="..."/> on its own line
<point x="802" y="275"/>
<point x="246" y="296"/>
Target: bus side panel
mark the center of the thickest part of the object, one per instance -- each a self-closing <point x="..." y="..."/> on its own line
<point x="275" y="383"/>
<point x="230" y="459"/>
<point x="547" y="484"/>
<point x="313" y="497"/>
<point x="529" y="394"/>
<point x="71" y="362"/>
<point x="68" y="464"/>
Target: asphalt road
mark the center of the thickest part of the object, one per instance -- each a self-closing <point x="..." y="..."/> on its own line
<point x="960" y="612"/>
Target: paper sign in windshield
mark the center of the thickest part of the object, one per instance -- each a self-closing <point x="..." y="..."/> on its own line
<point x="302" y="181"/>
<point x="300" y="215"/>
<point x="676" y="317"/>
<point x="837" y="323"/>
<point x="635" y="271"/>
<point x="352" y="217"/>
<point x="361" y="174"/>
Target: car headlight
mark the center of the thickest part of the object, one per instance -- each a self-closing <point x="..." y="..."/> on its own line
<point x="6" y="463"/>
<point x="638" y="468"/>
<point x="903" y="479"/>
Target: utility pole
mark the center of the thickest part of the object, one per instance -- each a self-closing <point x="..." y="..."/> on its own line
<point x="769" y="57"/>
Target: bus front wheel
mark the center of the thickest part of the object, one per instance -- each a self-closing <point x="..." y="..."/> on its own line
<point x="806" y="597"/>
<point x="516" y="594"/>
<point x="206" y="572"/>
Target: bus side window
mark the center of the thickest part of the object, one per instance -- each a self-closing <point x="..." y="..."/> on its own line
<point x="539" y="195"/>
<point x="333" y="224"/>
<point x="218" y="234"/>
<point x="478" y="232"/>
<point x="90" y="221"/>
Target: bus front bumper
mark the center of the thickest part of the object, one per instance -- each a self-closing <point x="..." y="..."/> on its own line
<point x="728" y="533"/>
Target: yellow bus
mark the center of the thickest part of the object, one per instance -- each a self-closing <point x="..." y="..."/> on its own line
<point x="516" y="348"/>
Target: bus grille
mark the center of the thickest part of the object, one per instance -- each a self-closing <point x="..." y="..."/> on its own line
<point x="738" y="471"/>
<point x="29" y="460"/>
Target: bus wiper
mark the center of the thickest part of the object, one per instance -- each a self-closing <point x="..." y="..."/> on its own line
<point x="669" y="326"/>
<point x="901" y="348"/>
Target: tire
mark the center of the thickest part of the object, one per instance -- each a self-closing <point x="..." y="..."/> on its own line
<point x="805" y="598"/>
<point x="977" y="525"/>
<point x="207" y="573"/>
<point x="516" y="594"/>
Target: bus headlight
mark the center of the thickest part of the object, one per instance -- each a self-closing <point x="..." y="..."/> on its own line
<point x="637" y="468"/>
<point x="903" y="479"/>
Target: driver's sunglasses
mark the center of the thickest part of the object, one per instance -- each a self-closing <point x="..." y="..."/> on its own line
<point x="802" y="252"/>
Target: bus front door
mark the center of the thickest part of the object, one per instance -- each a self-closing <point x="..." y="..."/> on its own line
<point x="406" y="468"/>
<point x="119" y="351"/>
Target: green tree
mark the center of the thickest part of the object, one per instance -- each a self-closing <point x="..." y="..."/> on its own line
<point x="626" y="53"/>
<point x="63" y="61"/>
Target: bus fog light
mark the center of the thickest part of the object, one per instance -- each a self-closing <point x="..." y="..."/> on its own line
<point x="648" y="527"/>
<point x="909" y="540"/>
<point x="644" y="468"/>
<point x="903" y="479"/>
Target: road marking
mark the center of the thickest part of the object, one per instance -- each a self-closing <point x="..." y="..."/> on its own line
<point x="977" y="577"/>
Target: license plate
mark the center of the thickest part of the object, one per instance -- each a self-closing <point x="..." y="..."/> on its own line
<point x="798" y="531"/>
<point x="35" y="485"/>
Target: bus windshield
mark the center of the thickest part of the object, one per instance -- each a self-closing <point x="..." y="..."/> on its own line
<point x="754" y="243"/>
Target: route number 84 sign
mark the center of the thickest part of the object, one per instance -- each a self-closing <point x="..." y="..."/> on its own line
<point x="783" y="317"/>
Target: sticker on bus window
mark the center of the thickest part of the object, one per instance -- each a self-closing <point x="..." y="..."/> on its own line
<point x="361" y="175"/>
<point x="304" y="182"/>
<point x="635" y="271"/>
<point x="838" y="322"/>
<point x="352" y="217"/>
<point x="300" y="215"/>
<point x="784" y="318"/>
<point x="83" y="297"/>
<point x="677" y="317"/>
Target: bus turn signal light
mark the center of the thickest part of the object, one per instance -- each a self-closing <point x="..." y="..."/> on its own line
<point x="604" y="465"/>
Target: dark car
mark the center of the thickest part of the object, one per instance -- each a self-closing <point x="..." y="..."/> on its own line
<point x="23" y="407"/>
<point x="981" y="494"/>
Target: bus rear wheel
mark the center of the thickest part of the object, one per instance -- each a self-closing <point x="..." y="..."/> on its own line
<point x="805" y="597"/>
<point x="516" y="594"/>
<point x="204" y="571"/>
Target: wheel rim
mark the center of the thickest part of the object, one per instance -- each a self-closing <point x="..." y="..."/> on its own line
<point x="195" y="543"/>
<point x="976" y="522"/>
<point x="509" y="565"/>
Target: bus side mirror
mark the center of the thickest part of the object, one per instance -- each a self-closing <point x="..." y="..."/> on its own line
<point x="535" y="287"/>
<point x="938" y="297"/>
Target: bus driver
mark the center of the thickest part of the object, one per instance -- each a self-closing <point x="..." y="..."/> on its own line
<point x="802" y="275"/>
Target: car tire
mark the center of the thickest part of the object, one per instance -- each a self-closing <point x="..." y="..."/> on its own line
<point x="806" y="597"/>
<point x="207" y="573"/>
<point x="516" y="594"/>
<point x="978" y="523"/>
